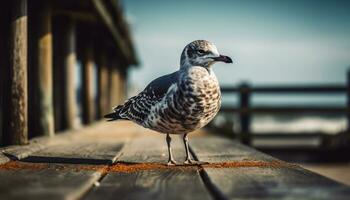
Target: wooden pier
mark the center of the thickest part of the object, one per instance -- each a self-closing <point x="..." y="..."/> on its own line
<point x="124" y="161"/>
<point x="53" y="144"/>
<point x="46" y="49"/>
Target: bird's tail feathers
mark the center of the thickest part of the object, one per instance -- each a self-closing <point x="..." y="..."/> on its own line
<point x="112" y="116"/>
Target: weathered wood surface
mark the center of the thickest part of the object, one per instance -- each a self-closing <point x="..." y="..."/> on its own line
<point x="139" y="171"/>
<point x="17" y="105"/>
<point x="3" y="158"/>
<point x="17" y="152"/>
<point x="45" y="182"/>
<point x="260" y="182"/>
<point x="152" y="149"/>
<point x="152" y="184"/>
<point x="218" y="149"/>
<point x="166" y="183"/>
<point x="80" y="152"/>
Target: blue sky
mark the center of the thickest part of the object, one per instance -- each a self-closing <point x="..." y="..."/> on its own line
<point x="271" y="42"/>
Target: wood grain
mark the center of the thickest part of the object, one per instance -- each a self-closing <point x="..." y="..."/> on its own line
<point x="18" y="108"/>
<point x="55" y="182"/>
<point x="80" y="152"/>
<point x="285" y="182"/>
<point x="166" y="183"/>
<point x="152" y="149"/>
<point x="3" y="159"/>
<point x="152" y="184"/>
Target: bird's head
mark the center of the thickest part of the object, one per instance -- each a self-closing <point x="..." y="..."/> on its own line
<point x="202" y="53"/>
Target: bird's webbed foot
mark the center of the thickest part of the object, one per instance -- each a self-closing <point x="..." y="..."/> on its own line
<point x="171" y="162"/>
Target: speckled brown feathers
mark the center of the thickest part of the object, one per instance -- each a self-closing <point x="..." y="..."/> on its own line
<point x="180" y="102"/>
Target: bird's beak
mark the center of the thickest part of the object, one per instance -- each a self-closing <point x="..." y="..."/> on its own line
<point x="223" y="58"/>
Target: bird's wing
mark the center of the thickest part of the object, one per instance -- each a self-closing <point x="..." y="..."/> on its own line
<point x="138" y="107"/>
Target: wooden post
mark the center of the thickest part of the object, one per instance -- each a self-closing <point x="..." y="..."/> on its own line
<point x="44" y="56"/>
<point x="69" y="64"/>
<point x="115" y="83"/>
<point x="348" y="100"/>
<point x="88" y="81"/>
<point x="245" y="116"/>
<point x="4" y="63"/>
<point x="102" y="85"/>
<point x="17" y="130"/>
<point x="58" y="75"/>
<point x="123" y="85"/>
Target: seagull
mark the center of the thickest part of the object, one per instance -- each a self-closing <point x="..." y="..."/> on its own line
<point x="180" y="102"/>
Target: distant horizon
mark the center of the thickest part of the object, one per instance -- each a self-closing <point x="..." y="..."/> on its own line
<point x="289" y="42"/>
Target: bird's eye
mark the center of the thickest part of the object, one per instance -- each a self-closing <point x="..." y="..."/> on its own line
<point x="201" y="51"/>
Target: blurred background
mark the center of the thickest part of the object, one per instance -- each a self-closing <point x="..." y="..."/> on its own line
<point x="64" y="64"/>
<point x="285" y="94"/>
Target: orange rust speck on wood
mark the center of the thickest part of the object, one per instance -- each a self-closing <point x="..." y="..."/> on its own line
<point x="15" y="165"/>
<point x="135" y="167"/>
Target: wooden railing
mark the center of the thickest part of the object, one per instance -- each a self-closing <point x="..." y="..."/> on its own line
<point x="246" y="110"/>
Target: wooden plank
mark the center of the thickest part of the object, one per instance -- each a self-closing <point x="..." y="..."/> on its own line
<point x="263" y="182"/>
<point x="152" y="149"/>
<point x="17" y="130"/>
<point x="152" y="183"/>
<point x="269" y="183"/>
<point x="3" y="158"/>
<point x="17" y="152"/>
<point x="78" y="152"/>
<point x="43" y="181"/>
<point x="216" y="149"/>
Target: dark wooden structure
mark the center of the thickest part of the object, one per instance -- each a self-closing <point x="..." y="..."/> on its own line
<point x="42" y="45"/>
<point x="245" y="109"/>
<point x="45" y="48"/>
<point x="333" y="147"/>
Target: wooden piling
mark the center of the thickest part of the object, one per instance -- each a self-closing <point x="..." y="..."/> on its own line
<point x="102" y="88"/>
<point x="17" y="106"/>
<point x="4" y="63"/>
<point x="348" y="100"/>
<point x="58" y="75"/>
<point x="115" y="83"/>
<point x="245" y="116"/>
<point x="69" y="64"/>
<point x="88" y="82"/>
<point x="43" y="70"/>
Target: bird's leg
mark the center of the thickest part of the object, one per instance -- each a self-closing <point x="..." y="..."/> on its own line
<point x="188" y="157"/>
<point x="189" y="160"/>
<point x="171" y="160"/>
